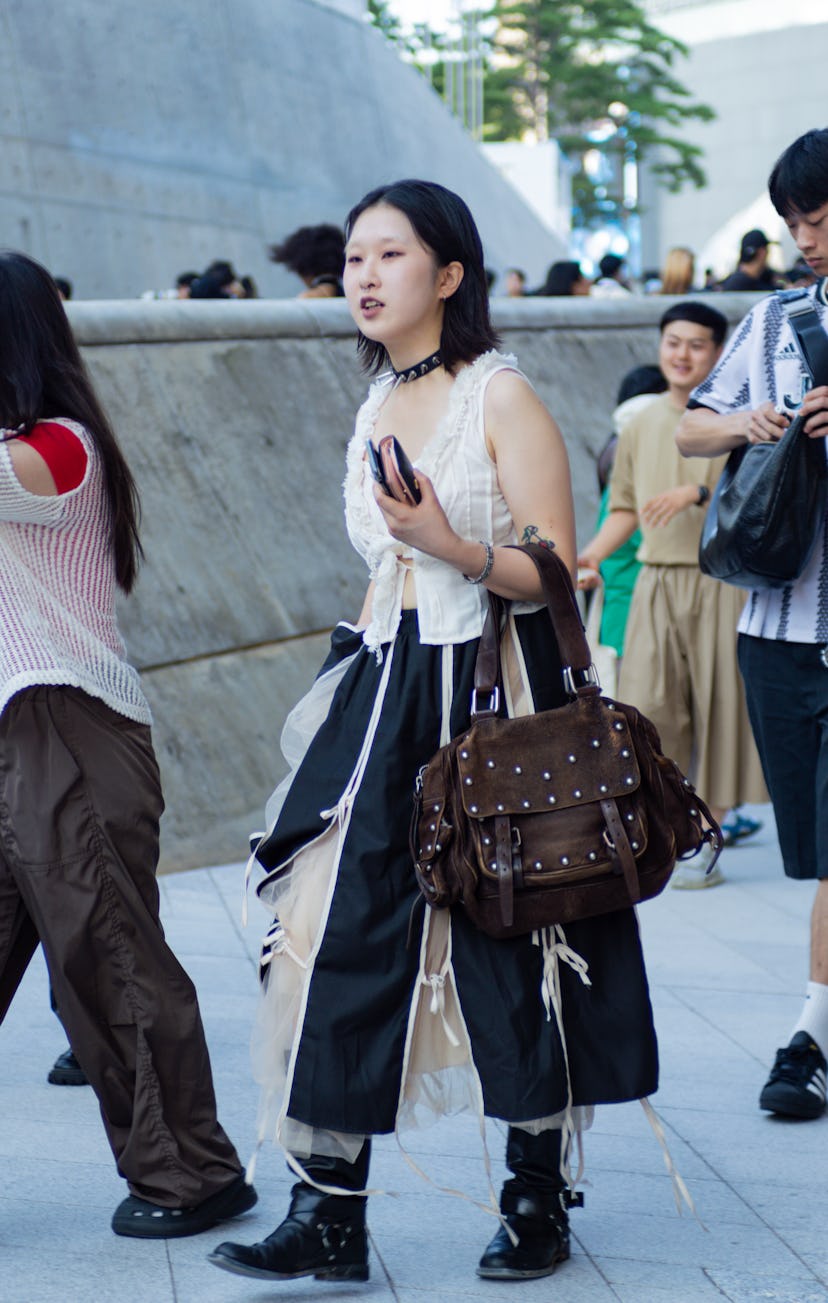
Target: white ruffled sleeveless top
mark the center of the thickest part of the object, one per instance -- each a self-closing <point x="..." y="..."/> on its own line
<point x="57" y="591"/>
<point x="465" y="479"/>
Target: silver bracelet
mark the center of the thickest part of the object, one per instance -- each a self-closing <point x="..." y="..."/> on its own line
<point x="487" y="566"/>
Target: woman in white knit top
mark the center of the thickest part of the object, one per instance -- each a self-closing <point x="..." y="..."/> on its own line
<point x="80" y="798"/>
<point x="377" y="1012"/>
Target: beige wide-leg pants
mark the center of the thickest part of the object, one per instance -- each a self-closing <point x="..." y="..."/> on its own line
<point x="680" y="670"/>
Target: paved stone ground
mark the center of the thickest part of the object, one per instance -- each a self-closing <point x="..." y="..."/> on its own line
<point x="727" y="968"/>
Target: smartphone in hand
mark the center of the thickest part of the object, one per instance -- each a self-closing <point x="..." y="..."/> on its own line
<point x="392" y="470"/>
<point x="375" y="467"/>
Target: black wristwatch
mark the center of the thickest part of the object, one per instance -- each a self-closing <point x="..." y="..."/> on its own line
<point x="704" y="495"/>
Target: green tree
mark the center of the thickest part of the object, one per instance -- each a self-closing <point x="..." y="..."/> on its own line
<point x="381" y="15"/>
<point x="575" y="72"/>
<point x="415" y="43"/>
<point x="418" y="44"/>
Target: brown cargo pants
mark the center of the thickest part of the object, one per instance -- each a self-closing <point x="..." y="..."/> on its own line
<point x="80" y="802"/>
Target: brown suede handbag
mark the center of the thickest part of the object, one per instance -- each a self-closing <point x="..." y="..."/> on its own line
<point x="556" y="816"/>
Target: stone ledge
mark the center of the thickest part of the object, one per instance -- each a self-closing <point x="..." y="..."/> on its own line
<point x="167" y="321"/>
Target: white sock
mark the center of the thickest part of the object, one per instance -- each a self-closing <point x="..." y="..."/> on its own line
<point x="814" y="1016"/>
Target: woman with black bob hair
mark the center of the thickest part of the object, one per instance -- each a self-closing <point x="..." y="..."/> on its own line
<point x="449" y="231"/>
<point x="80" y="798"/>
<point x="376" y="1012"/>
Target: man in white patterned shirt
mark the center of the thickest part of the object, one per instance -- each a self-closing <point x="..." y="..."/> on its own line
<point x="783" y="633"/>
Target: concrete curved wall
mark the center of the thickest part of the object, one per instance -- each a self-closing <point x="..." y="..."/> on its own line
<point x="140" y="140"/>
<point x="235" y="418"/>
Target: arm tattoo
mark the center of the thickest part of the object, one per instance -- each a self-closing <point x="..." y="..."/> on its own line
<point x="531" y="535"/>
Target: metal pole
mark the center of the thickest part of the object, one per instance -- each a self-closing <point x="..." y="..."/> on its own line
<point x="472" y="66"/>
<point x="448" y="62"/>
<point x="461" y="80"/>
<point x="482" y="82"/>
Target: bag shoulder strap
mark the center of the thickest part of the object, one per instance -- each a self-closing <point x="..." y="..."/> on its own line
<point x="578" y="671"/>
<point x="808" y="331"/>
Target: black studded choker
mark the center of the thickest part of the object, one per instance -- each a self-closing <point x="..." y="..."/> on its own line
<point x="410" y="373"/>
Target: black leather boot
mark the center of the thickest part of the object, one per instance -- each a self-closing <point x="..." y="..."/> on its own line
<point x="323" y="1235"/>
<point x="532" y="1203"/>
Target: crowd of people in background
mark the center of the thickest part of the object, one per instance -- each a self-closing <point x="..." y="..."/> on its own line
<point x="677" y="275"/>
<point x="315" y="254"/>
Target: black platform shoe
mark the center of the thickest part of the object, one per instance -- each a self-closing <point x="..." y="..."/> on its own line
<point x="323" y="1235"/>
<point x="533" y="1204"/>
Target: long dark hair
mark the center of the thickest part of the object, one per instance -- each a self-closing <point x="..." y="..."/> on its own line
<point x="443" y="222"/>
<point x="42" y="376"/>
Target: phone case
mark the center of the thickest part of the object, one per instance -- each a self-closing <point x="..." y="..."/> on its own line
<point x="375" y="466"/>
<point x="400" y="478"/>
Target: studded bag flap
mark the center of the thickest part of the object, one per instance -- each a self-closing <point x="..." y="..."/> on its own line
<point x="556" y="816"/>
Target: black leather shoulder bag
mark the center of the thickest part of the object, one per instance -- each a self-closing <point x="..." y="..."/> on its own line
<point x="768" y="508"/>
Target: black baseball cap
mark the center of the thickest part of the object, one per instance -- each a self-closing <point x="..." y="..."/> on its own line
<point x="752" y="242"/>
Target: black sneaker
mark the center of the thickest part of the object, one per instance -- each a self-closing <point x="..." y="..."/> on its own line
<point x="796" y="1085"/>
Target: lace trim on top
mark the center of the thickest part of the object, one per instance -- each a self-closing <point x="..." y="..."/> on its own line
<point x="366" y="527"/>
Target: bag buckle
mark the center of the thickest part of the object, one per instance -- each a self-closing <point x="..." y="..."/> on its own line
<point x="796" y="302"/>
<point x="590" y="679"/>
<point x="494" y="701"/>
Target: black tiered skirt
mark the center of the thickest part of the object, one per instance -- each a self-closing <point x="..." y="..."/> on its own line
<point x="364" y="971"/>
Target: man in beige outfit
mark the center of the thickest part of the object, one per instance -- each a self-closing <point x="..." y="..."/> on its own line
<point x="679" y="665"/>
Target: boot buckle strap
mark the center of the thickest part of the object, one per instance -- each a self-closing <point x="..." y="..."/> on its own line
<point x="334" y="1235"/>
